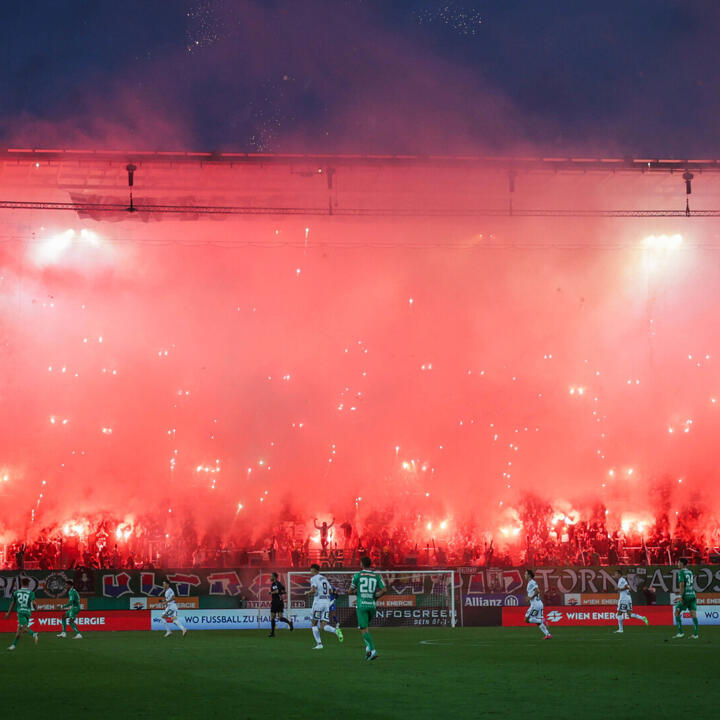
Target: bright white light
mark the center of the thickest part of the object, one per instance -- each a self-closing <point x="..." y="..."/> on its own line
<point x="90" y="236"/>
<point x="663" y="243"/>
<point x="50" y="250"/>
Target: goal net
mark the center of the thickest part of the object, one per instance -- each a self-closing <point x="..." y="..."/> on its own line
<point x="414" y="597"/>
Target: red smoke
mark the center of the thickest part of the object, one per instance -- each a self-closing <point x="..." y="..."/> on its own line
<point x="413" y="370"/>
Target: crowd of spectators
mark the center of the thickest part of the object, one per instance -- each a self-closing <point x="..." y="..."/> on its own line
<point x="543" y="539"/>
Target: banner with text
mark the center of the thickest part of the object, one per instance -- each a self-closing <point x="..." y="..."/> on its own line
<point x="231" y="619"/>
<point x="86" y="621"/>
<point x="249" y="587"/>
<point x="568" y="615"/>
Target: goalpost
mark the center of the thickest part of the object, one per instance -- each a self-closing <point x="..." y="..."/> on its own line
<point x="412" y="597"/>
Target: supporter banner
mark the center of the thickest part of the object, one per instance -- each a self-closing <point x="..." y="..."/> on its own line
<point x="654" y="582"/>
<point x="249" y="586"/>
<point x="564" y="615"/>
<point x="86" y="621"/>
<point x="231" y="619"/>
<point x="401" y="585"/>
<point x="242" y="585"/>
<point x="45" y="584"/>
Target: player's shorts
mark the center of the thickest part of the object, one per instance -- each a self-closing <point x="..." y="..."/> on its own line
<point x="277" y="607"/>
<point x="365" y="616"/>
<point x="685" y="603"/>
<point x="171" y="612"/>
<point x="72" y="613"/>
<point x="321" y="610"/>
<point x="23" y="619"/>
<point x="535" y="613"/>
<point x="624" y="607"/>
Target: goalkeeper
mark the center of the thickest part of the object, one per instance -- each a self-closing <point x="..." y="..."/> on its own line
<point x="368" y="586"/>
<point x="72" y="610"/>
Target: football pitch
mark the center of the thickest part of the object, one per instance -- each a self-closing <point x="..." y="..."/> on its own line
<point x="581" y="673"/>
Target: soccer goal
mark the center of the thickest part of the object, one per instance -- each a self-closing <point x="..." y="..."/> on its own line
<point x="413" y="597"/>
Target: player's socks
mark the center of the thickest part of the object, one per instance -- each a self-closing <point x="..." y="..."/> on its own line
<point x="316" y="634"/>
<point x="180" y="623"/>
<point x="35" y="638"/>
<point x="543" y="629"/>
<point x="330" y="629"/>
<point x="272" y="627"/>
<point x="695" y="627"/>
<point x="64" y="624"/>
<point x="638" y="617"/>
<point x="74" y="627"/>
<point x="368" y="641"/>
<point x="620" y="624"/>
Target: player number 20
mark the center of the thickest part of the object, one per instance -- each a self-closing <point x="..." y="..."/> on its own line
<point x="368" y="585"/>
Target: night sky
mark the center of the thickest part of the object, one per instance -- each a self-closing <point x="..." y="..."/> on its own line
<point x="615" y="77"/>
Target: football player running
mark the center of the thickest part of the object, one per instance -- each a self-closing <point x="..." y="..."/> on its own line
<point x="625" y="606"/>
<point x="687" y="601"/>
<point x="171" y="614"/>
<point x="534" y="615"/>
<point x="320" y="592"/>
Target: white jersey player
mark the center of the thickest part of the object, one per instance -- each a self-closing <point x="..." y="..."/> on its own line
<point x="171" y="614"/>
<point x="625" y="607"/>
<point x="535" y="611"/>
<point x="320" y="590"/>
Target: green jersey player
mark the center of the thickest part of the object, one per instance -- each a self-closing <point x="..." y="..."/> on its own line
<point x="72" y="610"/>
<point x="687" y="601"/>
<point x="23" y="600"/>
<point x="368" y="586"/>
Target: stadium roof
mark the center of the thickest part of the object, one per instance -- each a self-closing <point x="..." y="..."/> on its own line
<point x="95" y="183"/>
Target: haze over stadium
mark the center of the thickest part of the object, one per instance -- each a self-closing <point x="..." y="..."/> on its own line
<point x="387" y="371"/>
<point x="411" y="362"/>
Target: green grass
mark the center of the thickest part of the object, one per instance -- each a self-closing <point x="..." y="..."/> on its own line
<point x="582" y="673"/>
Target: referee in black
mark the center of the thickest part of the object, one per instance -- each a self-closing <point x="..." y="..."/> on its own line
<point x="277" y="604"/>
